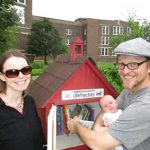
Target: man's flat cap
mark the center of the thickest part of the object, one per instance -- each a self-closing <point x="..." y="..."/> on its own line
<point x="137" y="47"/>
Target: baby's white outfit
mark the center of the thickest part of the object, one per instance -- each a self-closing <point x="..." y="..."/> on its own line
<point x="112" y="116"/>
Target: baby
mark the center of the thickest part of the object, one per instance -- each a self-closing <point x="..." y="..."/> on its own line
<point x="111" y="112"/>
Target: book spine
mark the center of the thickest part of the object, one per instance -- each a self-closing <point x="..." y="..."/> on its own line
<point x="92" y="115"/>
<point x="61" y="120"/>
<point x="58" y="122"/>
<point x="66" y="115"/>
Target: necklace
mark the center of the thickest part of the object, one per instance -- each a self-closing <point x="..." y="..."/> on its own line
<point x="18" y="107"/>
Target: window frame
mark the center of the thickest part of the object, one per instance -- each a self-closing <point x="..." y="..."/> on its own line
<point x="118" y="30"/>
<point x="104" y="40"/>
<point x="68" y="41"/>
<point x="104" y="51"/>
<point x="105" y="30"/>
<point x="68" y="31"/>
<point x="24" y="3"/>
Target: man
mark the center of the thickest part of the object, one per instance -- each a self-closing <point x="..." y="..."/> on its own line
<point x="132" y="128"/>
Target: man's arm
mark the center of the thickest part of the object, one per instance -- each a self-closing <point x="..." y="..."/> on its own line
<point x="98" y="123"/>
<point x="100" y="140"/>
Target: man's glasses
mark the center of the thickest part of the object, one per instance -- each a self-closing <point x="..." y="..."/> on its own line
<point x="131" y="66"/>
<point x="13" y="73"/>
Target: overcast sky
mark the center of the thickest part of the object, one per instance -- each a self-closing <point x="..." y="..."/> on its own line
<point x="97" y="9"/>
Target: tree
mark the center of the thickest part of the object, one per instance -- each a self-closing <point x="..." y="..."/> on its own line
<point x="9" y="19"/>
<point x="44" y="40"/>
<point x="137" y="30"/>
<point x="147" y="32"/>
<point x="110" y="71"/>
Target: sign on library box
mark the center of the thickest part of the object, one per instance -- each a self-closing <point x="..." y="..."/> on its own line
<point x="81" y="94"/>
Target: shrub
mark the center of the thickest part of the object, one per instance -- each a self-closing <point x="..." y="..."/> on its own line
<point x="39" y="67"/>
<point x="36" y="72"/>
<point x="38" y="64"/>
<point x="111" y="74"/>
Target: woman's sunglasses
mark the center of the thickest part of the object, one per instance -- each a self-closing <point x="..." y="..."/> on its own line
<point x="13" y="73"/>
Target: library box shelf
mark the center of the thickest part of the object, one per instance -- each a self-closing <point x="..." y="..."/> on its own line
<point x="64" y="141"/>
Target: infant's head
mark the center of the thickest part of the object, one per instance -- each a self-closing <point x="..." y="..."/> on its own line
<point x="108" y="104"/>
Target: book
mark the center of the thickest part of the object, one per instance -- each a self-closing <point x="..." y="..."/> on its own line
<point x="66" y="115"/>
<point x="87" y="112"/>
<point x="76" y="111"/>
<point x="58" y="121"/>
<point x="61" y="119"/>
<point x="92" y="115"/>
<point x="87" y="124"/>
<point x="82" y="112"/>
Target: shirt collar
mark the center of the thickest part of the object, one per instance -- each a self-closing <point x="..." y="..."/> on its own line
<point x="1" y="102"/>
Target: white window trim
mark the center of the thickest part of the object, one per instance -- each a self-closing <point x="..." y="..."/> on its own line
<point x="20" y="11"/>
<point x="68" y="41"/>
<point x="128" y="30"/>
<point x="105" y="40"/>
<point x="105" y="29"/>
<point x="68" y="31"/>
<point x="104" y="51"/>
<point x="85" y="32"/>
<point x="18" y="1"/>
<point x="112" y="53"/>
<point x="118" y="30"/>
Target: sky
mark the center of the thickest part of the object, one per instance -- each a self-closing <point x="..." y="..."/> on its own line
<point x="97" y="9"/>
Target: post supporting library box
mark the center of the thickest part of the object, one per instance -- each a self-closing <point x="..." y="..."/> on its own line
<point x="72" y="79"/>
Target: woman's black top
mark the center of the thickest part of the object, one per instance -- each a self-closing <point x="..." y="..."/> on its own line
<point x="20" y="131"/>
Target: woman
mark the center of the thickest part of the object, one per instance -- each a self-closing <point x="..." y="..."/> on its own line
<point x="20" y="127"/>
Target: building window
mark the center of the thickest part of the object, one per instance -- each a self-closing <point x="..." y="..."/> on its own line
<point x="104" y="51"/>
<point x="128" y="30"/>
<point x="84" y="42"/>
<point x="67" y="41"/>
<point x="84" y="31"/>
<point x="113" y="53"/>
<point x="105" y="30"/>
<point x="68" y="31"/>
<point x="105" y="40"/>
<point x="117" y="30"/>
<point x="21" y="1"/>
<point x="20" y="11"/>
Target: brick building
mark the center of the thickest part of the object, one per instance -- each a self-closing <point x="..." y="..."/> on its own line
<point x="25" y="7"/>
<point x="94" y="32"/>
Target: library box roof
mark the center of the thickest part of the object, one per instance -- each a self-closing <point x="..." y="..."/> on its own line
<point x="65" y="74"/>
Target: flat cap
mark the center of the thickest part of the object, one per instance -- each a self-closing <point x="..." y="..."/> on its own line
<point x="137" y="47"/>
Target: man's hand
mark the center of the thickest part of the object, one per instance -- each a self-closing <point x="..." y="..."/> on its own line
<point x="72" y="123"/>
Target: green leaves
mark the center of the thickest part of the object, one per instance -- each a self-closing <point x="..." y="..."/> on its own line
<point x="45" y="40"/>
<point x="8" y="22"/>
<point x="137" y="30"/>
<point x="111" y="74"/>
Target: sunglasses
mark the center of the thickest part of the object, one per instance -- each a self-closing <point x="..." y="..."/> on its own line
<point x="13" y="73"/>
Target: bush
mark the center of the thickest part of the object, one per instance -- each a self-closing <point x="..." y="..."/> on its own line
<point x="111" y="74"/>
<point x="38" y="64"/>
<point x="36" y="72"/>
<point x="39" y="67"/>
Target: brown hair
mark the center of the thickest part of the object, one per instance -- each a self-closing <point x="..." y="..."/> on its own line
<point x="3" y="59"/>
